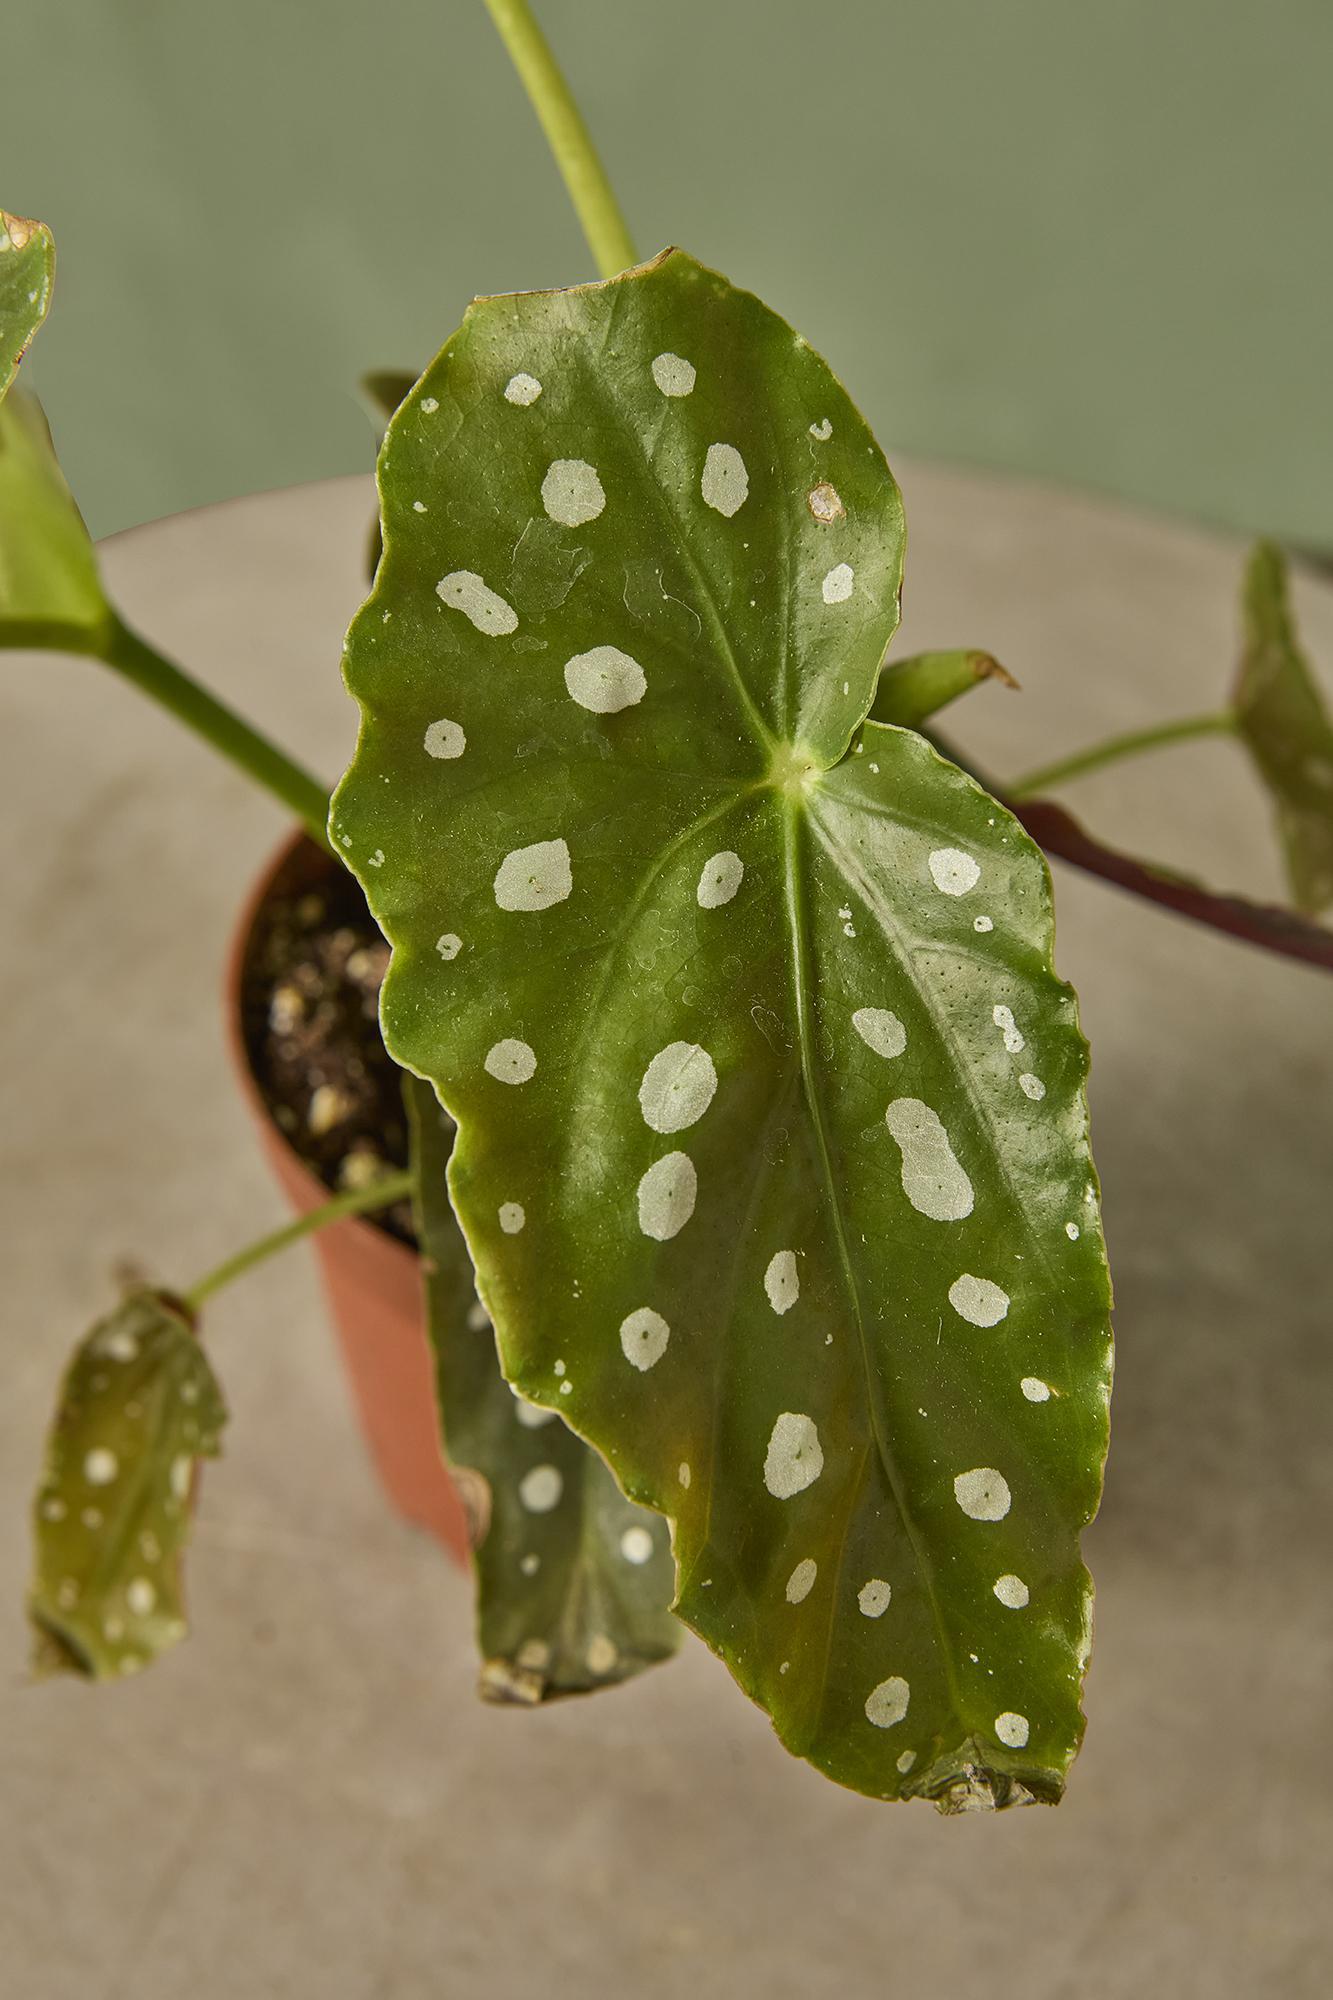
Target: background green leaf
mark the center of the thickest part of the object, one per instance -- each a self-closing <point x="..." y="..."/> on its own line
<point x="573" y="1581"/>
<point x="772" y="1150"/>
<point x="1285" y="726"/>
<point x="139" y="1406"/>
<point x="27" y="271"/>
<point x="385" y="388"/>
<point x="50" y="593"/>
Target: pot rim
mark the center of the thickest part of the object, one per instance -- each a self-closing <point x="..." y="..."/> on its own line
<point x="315" y="1191"/>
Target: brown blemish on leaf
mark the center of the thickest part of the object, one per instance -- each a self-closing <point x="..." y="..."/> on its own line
<point x="474" y="1490"/>
<point x="18" y="228"/>
<point x="825" y="503"/>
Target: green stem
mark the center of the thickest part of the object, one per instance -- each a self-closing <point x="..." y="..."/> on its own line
<point x="358" y="1201"/>
<point x="228" y="732"/>
<point x="595" y="205"/>
<point x="1115" y="747"/>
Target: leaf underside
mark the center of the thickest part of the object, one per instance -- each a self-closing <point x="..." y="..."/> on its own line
<point x="573" y="1580"/>
<point x="772" y="1152"/>
<point x="1285" y="726"/>
<point x="139" y="1406"/>
<point x="27" y="270"/>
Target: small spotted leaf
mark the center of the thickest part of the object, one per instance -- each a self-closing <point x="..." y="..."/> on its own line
<point x="138" y="1408"/>
<point x="772" y="1136"/>
<point x="1285" y="726"/>
<point x="27" y="272"/>
<point x="50" y="595"/>
<point x="573" y="1580"/>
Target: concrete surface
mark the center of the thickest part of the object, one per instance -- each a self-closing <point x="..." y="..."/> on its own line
<point x="306" y="1800"/>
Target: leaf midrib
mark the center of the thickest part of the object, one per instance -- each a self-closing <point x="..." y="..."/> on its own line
<point x="800" y="979"/>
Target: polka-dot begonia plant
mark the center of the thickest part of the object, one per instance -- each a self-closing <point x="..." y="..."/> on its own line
<point x="772" y="1154"/>
<point x="790" y="1307"/>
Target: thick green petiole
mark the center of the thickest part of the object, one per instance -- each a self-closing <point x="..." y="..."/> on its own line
<point x="357" y="1201"/>
<point x="571" y="143"/>
<point x="1223" y="723"/>
<point x="229" y="733"/>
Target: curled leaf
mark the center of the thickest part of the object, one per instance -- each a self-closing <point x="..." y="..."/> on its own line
<point x="27" y="272"/>
<point x="139" y="1406"/>
<point x="772" y="1153"/>
<point x="573" y="1581"/>
<point x="1285" y="726"/>
<point x="912" y="689"/>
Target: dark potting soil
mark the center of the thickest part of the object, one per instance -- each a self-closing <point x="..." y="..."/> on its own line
<point x="309" y="999"/>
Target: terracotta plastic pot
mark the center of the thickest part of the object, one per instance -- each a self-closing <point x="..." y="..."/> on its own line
<point x="371" y="1280"/>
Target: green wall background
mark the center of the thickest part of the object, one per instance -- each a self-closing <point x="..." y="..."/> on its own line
<point x="1089" y="241"/>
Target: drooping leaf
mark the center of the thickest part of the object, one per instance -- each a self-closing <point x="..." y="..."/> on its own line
<point x="1285" y="726"/>
<point x="911" y="689"/>
<point x="139" y="1406"/>
<point x="27" y="271"/>
<point x="50" y="594"/>
<point x="573" y="1580"/>
<point x="772" y="1153"/>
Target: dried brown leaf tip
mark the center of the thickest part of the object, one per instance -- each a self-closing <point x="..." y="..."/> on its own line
<point x="986" y="668"/>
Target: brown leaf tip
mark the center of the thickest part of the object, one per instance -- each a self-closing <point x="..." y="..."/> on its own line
<point x="988" y="669"/>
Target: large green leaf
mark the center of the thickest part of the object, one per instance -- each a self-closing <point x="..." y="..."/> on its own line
<point x="138" y="1408"/>
<point x="50" y="594"/>
<point x="573" y="1581"/>
<point x="1285" y="726"/>
<point x="27" y="270"/>
<point x="772" y="1151"/>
